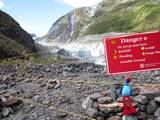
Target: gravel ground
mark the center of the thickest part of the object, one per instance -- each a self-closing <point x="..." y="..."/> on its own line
<point x="63" y="102"/>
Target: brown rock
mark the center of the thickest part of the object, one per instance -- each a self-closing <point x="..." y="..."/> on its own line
<point x="113" y="107"/>
<point x="11" y="101"/>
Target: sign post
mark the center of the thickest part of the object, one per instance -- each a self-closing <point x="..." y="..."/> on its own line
<point x="112" y="87"/>
<point x="131" y="53"/>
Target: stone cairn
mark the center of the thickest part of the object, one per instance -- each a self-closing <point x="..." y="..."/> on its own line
<point x="9" y="105"/>
<point x="145" y="99"/>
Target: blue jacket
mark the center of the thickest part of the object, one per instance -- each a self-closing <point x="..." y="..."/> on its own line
<point x="126" y="90"/>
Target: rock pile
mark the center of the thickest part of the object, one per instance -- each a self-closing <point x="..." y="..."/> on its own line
<point x="9" y="105"/>
<point x="146" y="100"/>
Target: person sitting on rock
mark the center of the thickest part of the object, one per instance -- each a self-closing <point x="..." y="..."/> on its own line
<point x="126" y="92"/>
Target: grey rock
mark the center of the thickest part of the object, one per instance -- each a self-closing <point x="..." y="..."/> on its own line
<point x="36" y="98"/>
<point x="5" y="111"/>
<point x="142" y="107"/>
<point x="151" y="107"/>
<point x="129" y="118"/>
<point x="2" y="99"/>
<point x="19" y="116"/>
<point x="61" y="115"/>
<point x="158" y="118"/>
<point x="91" y="112"/>
<point x="95" y="96"/>
<point x="104" y="100"/>
<point x="53" y="84"/>
<point x="141" y="116"/>
<point x="150" y="92"/>
<point x="157" y="99"/>
<point x="63" y="52"/>
<point x="157" y="113"/>
<point x="136" y="91"/>
<point x="140" y="99"/>
<point x="95" y="105"/>
<point x="87" y="103"/>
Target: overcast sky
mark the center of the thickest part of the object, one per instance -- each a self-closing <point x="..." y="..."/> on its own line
<point x="37" y="16"/>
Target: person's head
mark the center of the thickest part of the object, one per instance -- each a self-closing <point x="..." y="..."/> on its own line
<point x="128" y="79"/>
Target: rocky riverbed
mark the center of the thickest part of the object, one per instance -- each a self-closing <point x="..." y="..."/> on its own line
<point x="57" y="91"/>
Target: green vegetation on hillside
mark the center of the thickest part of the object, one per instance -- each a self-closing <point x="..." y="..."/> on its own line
<point x="132" y="16"/>
<point x="9" y="48"/>
<point x="14" y="41"/>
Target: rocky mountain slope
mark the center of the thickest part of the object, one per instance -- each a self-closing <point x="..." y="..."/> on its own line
<point x="108" y="16"/>
<point x="13" y="39"/>
<point x="68" y="27"/>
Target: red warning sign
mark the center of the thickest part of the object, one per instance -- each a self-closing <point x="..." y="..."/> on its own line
<point x="132" y="53"/>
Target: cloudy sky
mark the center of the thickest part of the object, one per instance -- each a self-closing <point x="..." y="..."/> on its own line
<point x="37" y="16"/>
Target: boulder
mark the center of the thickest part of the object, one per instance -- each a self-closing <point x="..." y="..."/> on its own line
<point x="5" y="111"/>
<point x="63" y="52"/>
<point x="136" y="91"/>
<point x="151" y="107"/>
<point x="150" y="91"/>
<point x="95" y="105"/>
<point x="142" y="107"/>
<point x="95" y="96"/>
<point x="87" y="103"/>
<point x="91" y="112"/>
<point x="140" y="99"/>
<point x="141" y="116"/>
<point x="105" y="100"/>
<point x="112" y="107"/>
<point x="157" y="113"/>
<point x="120" y="99"/>
<point x="157" y="99"/>
<point x="11" y="101"/>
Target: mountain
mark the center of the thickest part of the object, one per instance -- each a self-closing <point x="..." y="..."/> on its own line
<point x="14" y="40"/>
<point x="81" y="31"/>
<point x="126" y="16"/>
<point x="108" y="16"/>
<point x="68" y="27"/>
